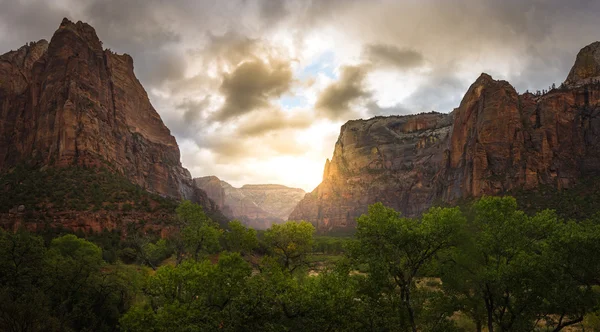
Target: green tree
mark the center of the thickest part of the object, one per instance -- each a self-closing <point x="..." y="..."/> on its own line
<point x="77" y="285"/>
<point x="194" y="296"/>
<point x="397" y="250"/>
<point x="290" y="243"/>
<point x="157" y="252"/>
<point x="517" y="270"/>
<point x="24" y="306"/>
<point x="239" y="238"/>
<point x="199" y="233"/>
<point x="66" y="287"/>
<point x="571" y="274"/>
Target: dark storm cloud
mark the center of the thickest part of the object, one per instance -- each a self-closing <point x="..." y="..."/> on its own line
<point x="337" y="99"/>
<point x="252" y="85"/>
<point x="391" y="56"/>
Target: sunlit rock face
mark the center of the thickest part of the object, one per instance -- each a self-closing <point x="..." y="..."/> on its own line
<point x="70" y="102"/>
<point x="259" y="206"/>
<point x="496" y="141"/>
<point x="395" y="160"/>
<point x="586" y="67"/>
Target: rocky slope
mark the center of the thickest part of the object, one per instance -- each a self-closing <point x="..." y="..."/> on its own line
<point x="71" y="102"/>
<point x="495" y="142"/>
<point x="259" y="206"/>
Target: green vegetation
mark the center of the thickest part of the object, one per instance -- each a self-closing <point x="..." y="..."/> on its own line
<point x="75" y="188"/>
<point x="64" y="286"/>
<point x="577" y="202"/>
<point x="490" y="267"/>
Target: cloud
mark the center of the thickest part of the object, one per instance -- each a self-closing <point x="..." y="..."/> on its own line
<point x="193" y="109"/>
<point x="230" y="48"/>
<point x="338" y="98"/>
<point x="272" y="11"/>
<point x="22" y="22"/>
<point x="252" y="85"/>
<point x="167" y="66"/>
<point x="438" y="93"/>
<point x="387" y="55"/>
<point x="274" y="120"/>
<point x="220" y="72"/>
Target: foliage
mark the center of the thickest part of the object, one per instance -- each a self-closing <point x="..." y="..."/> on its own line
<point x="290" y="242"/>
<point x="490" y="267"/>
<point x="516" y="271"/>
<point x="63" y="287"/>
<point x="76" y="188"/>
<point x="194" y="296"/>
<point x="239" y="238"/>
<point x="199" y="233"/>
<point x="397" y="250"/>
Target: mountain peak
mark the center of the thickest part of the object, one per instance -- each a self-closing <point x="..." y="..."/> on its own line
<point x="586" y="66"/>
<point x="84" y="31"/>
<point x="484" y="77"/>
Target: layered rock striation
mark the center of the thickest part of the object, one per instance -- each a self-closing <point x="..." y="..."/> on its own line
<point x="71" y="102"/>
<point x="495" y="142"/>
<point x="259" y="206"/>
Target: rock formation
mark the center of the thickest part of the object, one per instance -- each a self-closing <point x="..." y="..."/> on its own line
<point x="70" y="102"/>
<point x="257" y="205"/>
<point x="495" y="142"/>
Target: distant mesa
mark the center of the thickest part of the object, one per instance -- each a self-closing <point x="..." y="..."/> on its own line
<point x="257" y="205"/>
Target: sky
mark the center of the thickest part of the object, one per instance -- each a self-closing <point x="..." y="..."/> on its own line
<point x="255" y="91"/>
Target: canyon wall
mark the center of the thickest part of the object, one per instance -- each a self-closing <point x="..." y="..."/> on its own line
<point x="257" y="205"/>
<point x="71" y="102"/>
<point x="495" y="142"/>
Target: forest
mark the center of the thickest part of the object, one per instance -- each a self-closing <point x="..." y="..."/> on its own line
<point x="485" y="266"/>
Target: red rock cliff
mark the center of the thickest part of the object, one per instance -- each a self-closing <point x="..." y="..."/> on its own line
<point x="395" y="160"/>
<point x="72" y="102"/>
<point x="494" y="142"/>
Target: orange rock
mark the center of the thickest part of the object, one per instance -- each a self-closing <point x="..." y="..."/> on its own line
<point x="494" y="142"/>
<point x="70" y="102"/>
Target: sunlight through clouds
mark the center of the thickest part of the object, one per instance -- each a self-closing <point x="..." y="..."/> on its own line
<point x="256" y="91"/>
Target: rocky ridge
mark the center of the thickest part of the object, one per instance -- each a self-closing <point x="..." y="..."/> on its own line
<point x="495" y="142"/>
<point x="257" y="205"/>
<point x="71" y="102"/>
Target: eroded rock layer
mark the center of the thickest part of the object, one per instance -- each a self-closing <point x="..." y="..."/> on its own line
<point x="258" y="206"/>
<point x="70" y="102"/>
<point x="495" y="142"/>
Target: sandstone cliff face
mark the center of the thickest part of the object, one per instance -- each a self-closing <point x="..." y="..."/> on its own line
<point x="494" y="142"/>
<point x="72" y="102"/>
<point x="395" y="160"/>
<point x="258" y="206"/>
<point x="586" y="67"/>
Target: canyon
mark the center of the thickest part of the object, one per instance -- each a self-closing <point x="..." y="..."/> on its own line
<point x="495" y="142"/>
<point x="258" y="205"/>
<point x="71" y="103"/>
